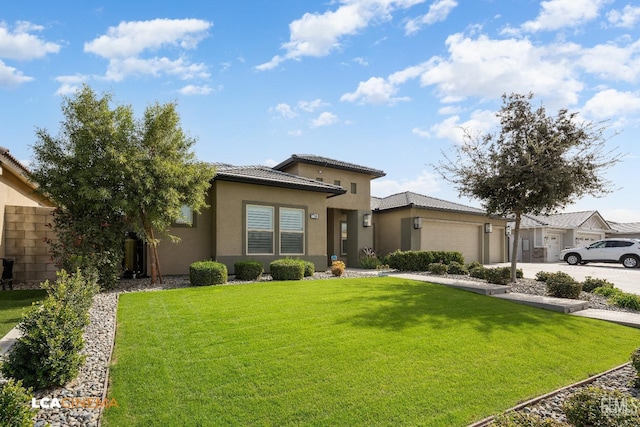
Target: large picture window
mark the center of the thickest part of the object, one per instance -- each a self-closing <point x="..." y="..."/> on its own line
<point x="291" y="231"/>
<point x="260" y="229"/>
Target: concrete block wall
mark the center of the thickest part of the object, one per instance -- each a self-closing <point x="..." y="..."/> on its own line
<point x="26" y="230"/>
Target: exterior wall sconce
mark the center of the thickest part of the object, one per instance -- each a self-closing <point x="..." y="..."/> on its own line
<point x="417" y="223"/>
<point x="366" y="220"/>
<point x="488" y="227"/>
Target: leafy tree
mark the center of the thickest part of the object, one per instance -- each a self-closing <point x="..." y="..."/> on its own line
<point x="535" y="164"/>
<point x="108" y="172"/>
<point x="78" y="171"/>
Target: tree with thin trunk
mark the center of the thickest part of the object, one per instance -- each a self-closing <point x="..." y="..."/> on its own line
<point x="536" y="164"/>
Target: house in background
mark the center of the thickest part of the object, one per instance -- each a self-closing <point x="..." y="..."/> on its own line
<point x="629" y="230"/>
<point x="24" y="220"/>
<point x="542" y="237"/>
<point x="410" y="221"/>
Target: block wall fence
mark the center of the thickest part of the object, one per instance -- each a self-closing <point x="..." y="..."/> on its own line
<point x="26" y="231"/>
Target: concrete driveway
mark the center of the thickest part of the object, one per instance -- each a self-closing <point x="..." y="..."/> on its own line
<point x="627" y="279"/>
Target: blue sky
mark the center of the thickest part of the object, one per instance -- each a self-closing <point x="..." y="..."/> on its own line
<point x="383" y="83"/>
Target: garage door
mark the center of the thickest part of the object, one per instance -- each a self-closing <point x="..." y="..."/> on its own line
<point x="496" y="242"/>
<point x="452" y="236"/>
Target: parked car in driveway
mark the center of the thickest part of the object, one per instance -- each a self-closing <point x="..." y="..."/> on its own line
<point x="624" y="251"/>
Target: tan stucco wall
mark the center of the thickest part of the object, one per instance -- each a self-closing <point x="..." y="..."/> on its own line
<point x="359" y="201"/>
<point x="231" y="199"/>
<point x="195" y="244"/>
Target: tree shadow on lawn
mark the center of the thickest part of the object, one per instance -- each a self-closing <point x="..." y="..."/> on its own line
<point x="407" y="304"/>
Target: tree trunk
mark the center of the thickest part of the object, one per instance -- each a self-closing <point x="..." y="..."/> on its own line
<point x="514" y="250"/>
<point x="155" y="261"/>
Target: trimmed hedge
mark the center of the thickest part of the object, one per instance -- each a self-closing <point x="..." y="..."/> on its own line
<point x="420" y="260"/>
<point x="498" y="275"/>
<point x="438" y="268"/>
<point x="561" y="285"/>
<point x="309" y="268"/>
<point x="593" y="406"/>
<point x="478" y="272"/>
<point x="14" y="409"/>
<point x="248" y="270"/>
<point x="287" y="269"/>
<point x="206" y="273"/>
<point x="48" y="353"/>
<point x="457" y="268"/>
<point x="590" y="284"/>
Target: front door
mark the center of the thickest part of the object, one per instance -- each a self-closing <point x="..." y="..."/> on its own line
<point x="553" y="247"/>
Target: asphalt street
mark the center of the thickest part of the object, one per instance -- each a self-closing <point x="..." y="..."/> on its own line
<point x="627" y="279"/>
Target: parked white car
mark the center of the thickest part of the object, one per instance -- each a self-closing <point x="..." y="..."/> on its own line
<point x="624" y="251"/>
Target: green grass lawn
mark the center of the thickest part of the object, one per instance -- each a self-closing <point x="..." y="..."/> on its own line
<point x="12" y="305"/>
<point x="375" y="351"/>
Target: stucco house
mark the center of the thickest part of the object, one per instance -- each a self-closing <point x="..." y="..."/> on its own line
<point x="542" y="237"/>
<point x="411" y="221"/>
<point x="24" y="220"/>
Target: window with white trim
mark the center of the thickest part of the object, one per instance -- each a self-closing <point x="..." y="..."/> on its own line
<point x="291" y="231"/>
<point x="186" y="216"/>
<point x="260" y="229"/>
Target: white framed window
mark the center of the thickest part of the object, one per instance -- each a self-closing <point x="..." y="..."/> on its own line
<point x="186" y="216"/>
<point x="260" y="229"/>
<point x="291" y="231"/>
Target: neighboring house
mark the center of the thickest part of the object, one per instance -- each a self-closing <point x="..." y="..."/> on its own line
<point x="542" y="237"/>
<point x="630" y="230"/>
<point x="24" y="222"/>
<point x="410" y="221"/>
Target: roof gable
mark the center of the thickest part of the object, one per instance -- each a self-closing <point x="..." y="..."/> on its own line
<point x="330" y="163"/>
<point x="410" y="199"/>
<point x="591" y="220"/>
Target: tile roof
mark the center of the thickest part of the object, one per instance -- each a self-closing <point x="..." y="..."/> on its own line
<point x="410" y="199"/>
<point x="326" y="162"/>
<point x="5" y="153"/>
<point x="264" y="175"/>
<point x="559" y="220"/>
<point x="625" y="227"/>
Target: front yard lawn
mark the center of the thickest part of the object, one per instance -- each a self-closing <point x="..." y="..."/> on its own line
<point x="373" y="351"/>
<point x="12" y="305"/>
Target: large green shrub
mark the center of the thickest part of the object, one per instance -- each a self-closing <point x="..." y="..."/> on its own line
<point x="593" y="406"/>
<point x="478" y="272"/>
<point x="542" y="276"/>
<point x="498" y="275"/>
<point x="206" y="273"/>
<point x="626" y="300"/>
<point x="248" y="270"/>
<point x="420" y="260"/>
<point x="457" y="268"/>
<point x="591" y="283"/>
<point x="48" y="353"/>
<point x="15" y="410"/>
<point x="520" y="419"/>
<point x="438" y="268"/>
<point x="562" y="285"/>
<point x="287" y="269"/>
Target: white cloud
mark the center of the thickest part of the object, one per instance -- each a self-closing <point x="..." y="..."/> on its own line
<point x="19" y="44"/>
<point x="480" y="122"/>
<point x="376" y="90"/>
<point x="123" y="46"/>
<point x="610" y="61"/>
<point x="195" y="90"/>
<point x="426" y="183"/>
<point x="70" y="84"/>
<point x="318" y="34"/>
<point x="270" y="162"/>
<point x="284" y="110"/>
<point x="620" y="215"/>
<point x="557" y="14"/>
<point x="438" y="11"/>
<point x="324" y="119"/>
<point x="11" y="77"/>
<point x="627" y="18"/>
<point x="311" y="106"/>
<point x="613" y="104"/>
<point x="421" y="133"/>
<point x="295" y="133"/>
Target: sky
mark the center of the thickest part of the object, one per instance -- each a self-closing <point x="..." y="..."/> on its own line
<point x="388" y="84"/>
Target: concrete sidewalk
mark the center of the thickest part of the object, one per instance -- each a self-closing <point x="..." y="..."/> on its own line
<point x="562" y="305"/>
<point x="9" y="340"/>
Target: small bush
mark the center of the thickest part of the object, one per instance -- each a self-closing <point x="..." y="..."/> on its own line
<point x="457" y="268"/>
<point x="287" y="269"/>
<point x="369" y="262"/>
<point x="519" y="273"/>
<point x="475" y="264"/>
<point x="48" y="353"/>
<point x="561" y="285"/>
<point x="309" y="268"/>
<point x="248" y="270"/>
<point x="438" y="268"/>
<point x="498" y="275"/>
<point x="15" y="410"/>
<point x="478" y="272"/>
<point x="606" y="291"/>
<point x="635" y="362"/>
<point x="337" y="268"/>
<point x="625" y="300"/>
<point x="593" y="406"/>
<point x="591" y="283"/>
<point x="207" y="273"/>
<point x="542" y="276"/>
<point x="520" y="419"/>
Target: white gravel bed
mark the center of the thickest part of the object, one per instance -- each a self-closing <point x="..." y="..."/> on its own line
<point x="98" y="337"/>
